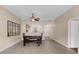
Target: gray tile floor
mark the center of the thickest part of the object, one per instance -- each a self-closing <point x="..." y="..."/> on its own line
<point x="47" y="47"/>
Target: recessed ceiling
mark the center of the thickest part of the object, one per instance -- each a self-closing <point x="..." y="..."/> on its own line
<point x="45" y="12"/>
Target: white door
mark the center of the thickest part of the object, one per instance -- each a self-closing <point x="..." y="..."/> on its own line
<point x="74" y="34"/>
<point x="46" y="30"/>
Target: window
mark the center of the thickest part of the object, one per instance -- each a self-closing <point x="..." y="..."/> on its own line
<point x="13" y="28"/>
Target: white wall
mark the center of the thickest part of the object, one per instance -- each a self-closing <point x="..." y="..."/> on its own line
<point x="4" y="40"/>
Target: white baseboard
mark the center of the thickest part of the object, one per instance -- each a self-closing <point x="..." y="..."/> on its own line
<point x="10" y="45"/>
<point x="60" y="43"/>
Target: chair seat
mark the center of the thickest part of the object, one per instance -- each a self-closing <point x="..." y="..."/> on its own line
<point x="32" y="39"/>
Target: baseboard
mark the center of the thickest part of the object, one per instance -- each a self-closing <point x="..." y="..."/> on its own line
<point x="60" y="43"/>
<point x="10" y="45"/>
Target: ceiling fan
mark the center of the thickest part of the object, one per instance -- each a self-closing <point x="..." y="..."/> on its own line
<point x="33" y="18"/>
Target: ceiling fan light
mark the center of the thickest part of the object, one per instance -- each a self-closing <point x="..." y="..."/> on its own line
<point x="32" y="19"/>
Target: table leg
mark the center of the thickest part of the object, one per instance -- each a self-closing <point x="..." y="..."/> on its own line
<point x="24" y="43"/>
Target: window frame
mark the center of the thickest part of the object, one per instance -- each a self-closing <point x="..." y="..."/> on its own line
<point x="13" y="28"/>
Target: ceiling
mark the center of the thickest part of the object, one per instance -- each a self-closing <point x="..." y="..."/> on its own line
<point x="45" y="12"/>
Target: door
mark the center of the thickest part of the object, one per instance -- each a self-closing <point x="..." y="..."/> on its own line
<point x="46" y="30"/>
<point x="74" y="34"/>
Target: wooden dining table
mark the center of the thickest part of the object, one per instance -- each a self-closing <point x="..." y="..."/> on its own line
<point x="37" y="38"/>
